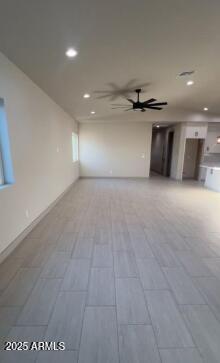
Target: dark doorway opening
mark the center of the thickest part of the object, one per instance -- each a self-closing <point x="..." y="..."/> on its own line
<point x="162" y="150"/>
<point x="169" y="152"/>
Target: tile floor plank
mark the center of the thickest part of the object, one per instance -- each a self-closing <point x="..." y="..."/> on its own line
<point x="131" y="306"/>
<point x="184" y="355"/>
<point x="20" y="287"/>
<point x="182" y="286"/>
<point x="164" y="255"/>
<point x="23" y="334"/>
<point x="125" y="264"/>
<point x="141" y="247"/>
<point x="83" y="248"/>
<point x="137" y="344"/>
<point x="205" y="330"/>
<point x="151" y="275"/>
<point x="8" y="269"/>
<point x="101" y="287"/>
<point x="40" y="303"/>
<point x="121" y="242"/>
<point x="100" y="344"/>
<point x="102" y="256"/>
<point x="66" y="242"/>
<point x="38" y="257"/>
<point x="66" y="321"/>
<point x="58" y="356"/>
<point x="8" y="317"/>
<point x="193" y="264"/>
<point x="77" y="275"/>
<point x="56" y="265"/>
<point x="213" y="265"/>
<point x="210" y="289"/>
<point x="168" y="324"/>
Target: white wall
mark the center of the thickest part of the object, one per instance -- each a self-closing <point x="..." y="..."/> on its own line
<point x="115" y="149"/>
<point x="211" y="145"/>
<point x="178" y="151"/>
<point x="181" y="131"/>
<point x="196" y="132"/>
<point x="40" y="137"/>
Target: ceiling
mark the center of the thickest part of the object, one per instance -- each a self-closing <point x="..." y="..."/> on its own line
<point x="118" y="41"/>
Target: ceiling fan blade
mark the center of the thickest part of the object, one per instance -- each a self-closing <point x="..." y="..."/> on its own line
<point x="114" y="108"/>
<point x="128" y="109"/>
<point x="118" y="104"/>
<point x="154" y="108"/>
<point x="159" y="104"/>
<point x="150" y="101"/>
<point x="103" y="96"/>
<point x="130" y="100"/>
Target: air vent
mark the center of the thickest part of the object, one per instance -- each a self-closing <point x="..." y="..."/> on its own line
<point x="186" y="73"/>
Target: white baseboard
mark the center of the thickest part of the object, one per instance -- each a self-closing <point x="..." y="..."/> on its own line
<point x="10" y="248"/>
<point x="114" y="177"/>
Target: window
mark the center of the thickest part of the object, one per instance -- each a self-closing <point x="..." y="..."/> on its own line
<point x="75" y="147"/>
<point x="6" y="171"/>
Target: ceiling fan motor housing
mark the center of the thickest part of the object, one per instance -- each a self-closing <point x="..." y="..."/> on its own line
<point x="138" y="106"/>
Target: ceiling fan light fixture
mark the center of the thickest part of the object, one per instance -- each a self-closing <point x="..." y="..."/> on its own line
<point x="86" y="95"/>
<point x="205" y="109"/>
<point x="190" y="82"/>
<point x="92" y="112"/>
<point x="71" y="53"/>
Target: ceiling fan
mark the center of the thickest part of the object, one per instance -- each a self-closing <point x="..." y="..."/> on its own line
<point x="138" y="105"/>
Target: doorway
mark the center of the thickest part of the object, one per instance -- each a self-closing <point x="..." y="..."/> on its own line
<point x="157" y="150"/>
<point x="162" y="150"/>
<point x="192" y="158"/>
<point x="169" y="153"/>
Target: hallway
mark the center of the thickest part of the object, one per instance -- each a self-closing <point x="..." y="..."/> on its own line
<point x="120" y="270"/>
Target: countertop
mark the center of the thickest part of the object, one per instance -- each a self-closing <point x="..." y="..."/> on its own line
<point x="214" y="165"/>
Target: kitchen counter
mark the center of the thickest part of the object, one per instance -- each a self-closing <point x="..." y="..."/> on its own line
<point x="215" y="166"/>
<point x="212" y="177"/>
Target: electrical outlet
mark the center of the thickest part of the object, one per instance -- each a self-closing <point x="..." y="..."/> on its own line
<point x="110" y="172"/>
<point x="27" y="213"/>
<point x="58" y="149"/>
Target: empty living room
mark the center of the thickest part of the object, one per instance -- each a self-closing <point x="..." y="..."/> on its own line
<point x="109" y="181"/>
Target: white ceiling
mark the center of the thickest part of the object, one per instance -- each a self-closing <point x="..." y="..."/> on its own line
<point x="118" y="41"/>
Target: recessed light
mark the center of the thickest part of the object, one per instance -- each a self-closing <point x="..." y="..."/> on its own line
<point x="86" y="95"/>
<point x="93" y="112"/>
<point x="190" y="83"/>
<point x="205" y="109"/>
<point x="157" y="126"/>
<point x="71" y="53"/>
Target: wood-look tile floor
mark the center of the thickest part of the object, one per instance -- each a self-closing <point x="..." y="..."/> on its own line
<point x="121" y="271"/>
